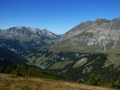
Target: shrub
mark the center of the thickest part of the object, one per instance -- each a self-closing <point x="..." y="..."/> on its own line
<point x="94" y="80"/>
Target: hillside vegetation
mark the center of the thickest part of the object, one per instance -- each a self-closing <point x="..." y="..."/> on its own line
<point x="29" y="71"/>
<point x="76" y="66"/>
<point x="8" y="57"/>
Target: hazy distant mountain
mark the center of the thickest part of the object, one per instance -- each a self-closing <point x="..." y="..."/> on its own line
<point x="101" y="35"/>
<point x="20" y="38"/>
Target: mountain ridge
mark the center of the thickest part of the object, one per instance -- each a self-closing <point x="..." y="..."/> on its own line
<point x="101" y="34"/>
<point x="23" y="37"/>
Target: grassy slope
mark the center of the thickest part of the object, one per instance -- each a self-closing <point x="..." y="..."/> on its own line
<point x="8" y="82"/>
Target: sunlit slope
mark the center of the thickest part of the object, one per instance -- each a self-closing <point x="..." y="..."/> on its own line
<point x="8" y="82"/>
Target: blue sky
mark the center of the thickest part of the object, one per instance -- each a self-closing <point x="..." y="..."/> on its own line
<point x="58" y="16"/>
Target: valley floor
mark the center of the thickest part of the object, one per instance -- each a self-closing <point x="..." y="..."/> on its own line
<point x="9" y="82"/>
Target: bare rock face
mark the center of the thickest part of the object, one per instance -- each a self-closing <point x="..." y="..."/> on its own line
<point x="100" y="35"/>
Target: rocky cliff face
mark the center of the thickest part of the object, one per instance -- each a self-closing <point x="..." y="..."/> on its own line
<point x="20" y="38"/>
<point x="100" y="35"/>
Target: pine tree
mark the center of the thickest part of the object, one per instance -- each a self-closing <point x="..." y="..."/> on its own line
<point x="117" y="83"/>
<point x="110" y="83"/>
<point x="92" y="80"/>
<point x="98" y="80"/>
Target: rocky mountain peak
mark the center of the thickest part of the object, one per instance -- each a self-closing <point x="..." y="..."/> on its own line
<point x="23" y="37"/>
<point x="101" y="35"/>
<point x="19" y="27"/>
<point x="22" y="30"/>
<point x="118" y="18"/>
<point x="97" y="19"/>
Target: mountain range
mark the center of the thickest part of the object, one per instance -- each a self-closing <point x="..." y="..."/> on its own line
<point x="20" y="38"/>
<point x="89" y="47"/>
<point x="101" y="35"/>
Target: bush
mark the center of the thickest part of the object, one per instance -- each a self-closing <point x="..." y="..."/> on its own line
<point x="109" y="84"/>
<point x="94" y="80"/>
<point x="98" y="80"/>
<point x="117" y="83"/>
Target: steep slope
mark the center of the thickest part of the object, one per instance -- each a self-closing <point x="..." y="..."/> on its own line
<point x="20" y="38"/>
<point x="100" y="35"/>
